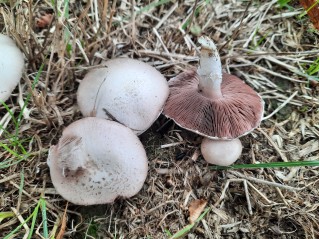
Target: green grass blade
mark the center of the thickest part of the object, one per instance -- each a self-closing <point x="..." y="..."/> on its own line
<point x="269" y="165"/>
<point x="189" y="227"/>
<point x="36" y="80"/>
<point x="152" y="5"/>
<point x="10" y="151"/>
<point x="10" y="113"/>
<point x="17" y="228"/>
<point x="34" y="218"/>
<point x="44" y="218"/>
<point x="4" y="215"/>
<point x="307" y="10"/>
<point x="21" y="185"/>
<point x="8" y="163"/>
<point x="33" y="215"/>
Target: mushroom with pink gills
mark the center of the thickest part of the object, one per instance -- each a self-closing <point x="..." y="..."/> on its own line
<point x="216" y="105"/>
<point x="128" y="91"/>
<point x="11" y="67"/>
<point x="97" y="161"/>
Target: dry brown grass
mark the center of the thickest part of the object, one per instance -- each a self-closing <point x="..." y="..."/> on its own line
<point x="266" y="46"/>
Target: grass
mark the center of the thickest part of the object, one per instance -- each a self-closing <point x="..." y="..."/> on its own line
<point x="284" y="3"/>
<point x="33" y="217"/>
<point x="152" y="5"/>
<point x="15" y="145"/>
<point x="92" y="230"/>
<point x="313" y="163"/>
<point x="187" y="229"/>
<point x="313" y="68"/>
<point x="176" y="175"/>
<point x="5" y="215"/>
<point x="315" y="3"/>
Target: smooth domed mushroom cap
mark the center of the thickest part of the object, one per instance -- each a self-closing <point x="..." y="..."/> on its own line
<point x="96" y="161"/>
<point x="11" y="66"/>
<point x="235" y="114"/>
<point x="129" y="91"/>
<point x="221" y="152"/>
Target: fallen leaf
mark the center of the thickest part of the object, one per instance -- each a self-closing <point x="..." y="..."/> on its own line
<point x="195" y="208"/>
<point x="312" y="9"/>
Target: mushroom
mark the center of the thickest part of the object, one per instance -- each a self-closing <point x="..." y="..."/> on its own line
<point x="11" y="66"/>
<point x="96" y="161"/>
<point x="221" y="152"/>
<point x="211" y="103"/>
<point x="128" y="91"/>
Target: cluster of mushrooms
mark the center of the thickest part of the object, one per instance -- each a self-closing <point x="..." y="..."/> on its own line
<point x="100" y="157"/>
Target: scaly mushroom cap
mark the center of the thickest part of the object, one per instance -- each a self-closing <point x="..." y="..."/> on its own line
<point x="128" y="91"/>
<point x="235" y="114"/>
<point x="11" y="66"/>
<point x="96" y="161"/>
<point x="221" y="152"/>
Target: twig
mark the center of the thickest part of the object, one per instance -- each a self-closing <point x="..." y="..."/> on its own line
<point x="266" y="182"/>
<point x="279" y="192"/>
<point x="237" y="30"/>
<point x="192" y="17"/>
<point x="172" y="144"/>
<point x="247" y="198"/>
<point x="281" y="106"/>
<point x="27" y="229"/>
<point x="167" y="15"/>
<point x="283" y="157"/>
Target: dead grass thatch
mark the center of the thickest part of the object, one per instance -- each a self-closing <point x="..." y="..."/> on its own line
<point x="267" y="46"/>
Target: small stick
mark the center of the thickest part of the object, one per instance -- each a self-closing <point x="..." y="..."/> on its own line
<point x="5" y="179"/>
<point x="247" y="197"/>
<point x="281" y="106"/>
<point x="260" y="193"/>
<point x="105" y="5"/>
<point x="111" y="17"/>
<point x="192" y="17"/>
<point x="266" y="182"/>
<point x="162" y="43"/>
<point x="222" y="196"/>
<point x="279" y="192"/>
<point x="283" y="157"/>
<point x="27" y="229"/>
<point x="172" y="144"/>
<point x="195" y="155"/>
<point x="166" y="16"/>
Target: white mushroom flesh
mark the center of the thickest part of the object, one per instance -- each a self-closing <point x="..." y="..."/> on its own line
<point x="128" y="91"/>
<point x="221" y="152"/>
<point x="96" y="161"/>
<point x="11" y="66"/>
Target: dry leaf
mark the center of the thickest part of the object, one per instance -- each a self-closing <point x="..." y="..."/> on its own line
<point x="195" y="209"/>
<point x="312" y="9"/>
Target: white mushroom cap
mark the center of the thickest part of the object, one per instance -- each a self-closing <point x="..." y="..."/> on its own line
<point x="221" y="152"/>
<point x="11" y="66"/>
<point x="96" y="161"/>
<point x="129" y="91"/>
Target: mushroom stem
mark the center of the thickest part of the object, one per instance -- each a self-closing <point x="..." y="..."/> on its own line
<point x="210" y="69"/>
